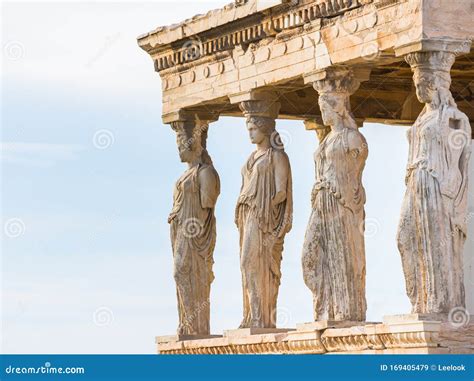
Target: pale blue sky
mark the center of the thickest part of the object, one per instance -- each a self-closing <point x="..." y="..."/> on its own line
<point x="94" y="241"/>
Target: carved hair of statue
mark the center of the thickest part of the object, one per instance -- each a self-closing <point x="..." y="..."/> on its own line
<point x="264" y="124"/>
<point x="192" y="136"/>
<point x="432" y="69"/>
<point x="205" y="157"/>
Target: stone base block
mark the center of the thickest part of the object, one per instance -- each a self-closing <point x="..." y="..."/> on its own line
<point x="400" y="334"/>
<point x="324" y="324"/>
<point x="245" y="332"/>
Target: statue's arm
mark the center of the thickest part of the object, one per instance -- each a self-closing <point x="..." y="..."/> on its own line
<point x="209" y="187"/>
<point x="282" y="170"/>
<point x="358" y="152"/>
<point x="358" y="145"/>
<point x="457" y="132"/>
<point x="464" y="159"/>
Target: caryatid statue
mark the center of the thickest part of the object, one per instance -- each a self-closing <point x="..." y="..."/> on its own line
<point x="263" y="215"/>
<point x="433" y="222"/>
<point x="193" y="228"/>
<point x="334" y="249"/>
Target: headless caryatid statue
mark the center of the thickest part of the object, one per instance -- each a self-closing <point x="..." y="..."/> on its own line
<point x="334" y="250"/>
<point x="193" y="228"/>
<point x="263" y="216"/>
<point x="433" y="222"/>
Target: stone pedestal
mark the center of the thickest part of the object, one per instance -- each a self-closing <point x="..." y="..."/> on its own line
<point x="246" y="332"/>
<point x="399" y="334"/>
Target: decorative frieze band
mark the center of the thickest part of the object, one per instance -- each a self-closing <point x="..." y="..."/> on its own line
<point x="394" y="337"/>
<point x="288" y="18"/>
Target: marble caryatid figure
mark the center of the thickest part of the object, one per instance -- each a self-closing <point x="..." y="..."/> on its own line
<point x="433" y="224"/>
<point x="334" y="250"/>
<point x="193" y="228"/>
<point x="263" y="215"/>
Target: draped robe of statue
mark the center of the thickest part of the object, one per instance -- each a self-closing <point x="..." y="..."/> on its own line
<point x="262" y="227"/>
<point x="193" y="237"/>
<point x="433" y="224"/>
<point x="334" y="248"/>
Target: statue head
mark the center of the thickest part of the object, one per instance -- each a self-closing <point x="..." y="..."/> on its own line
<point x="432" y="76"/>
<point x="334" y="97"/>
<point x="335" y="109"/>
<point x="260" y="116"/>
<point x="191" y="140"/>
<point x="260" y="128"/>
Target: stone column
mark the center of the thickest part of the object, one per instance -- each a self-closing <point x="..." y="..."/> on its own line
<point x="193" y="224"/>
<point x="434" y="218"/>
<point x="334" y="249"/>
<point x="264" y="211"/>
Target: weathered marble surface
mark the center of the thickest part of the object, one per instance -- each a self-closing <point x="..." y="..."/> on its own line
<point x="433" y="223"/>
<point x="193" y="228"/>
<point x="334" y="250"/>
<point x="402" y="334"/>
<point x="263" y="215"/>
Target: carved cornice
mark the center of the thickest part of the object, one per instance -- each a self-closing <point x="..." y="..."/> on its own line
<point x="240" y="32"/>
<point x="190" y="116"/>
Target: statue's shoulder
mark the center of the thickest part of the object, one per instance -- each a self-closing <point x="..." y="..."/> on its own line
<point x="280" y="155"/>
<point x="355" y="139"/>
<point x="207" y="170"/>
<point x="208" y="177"/>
